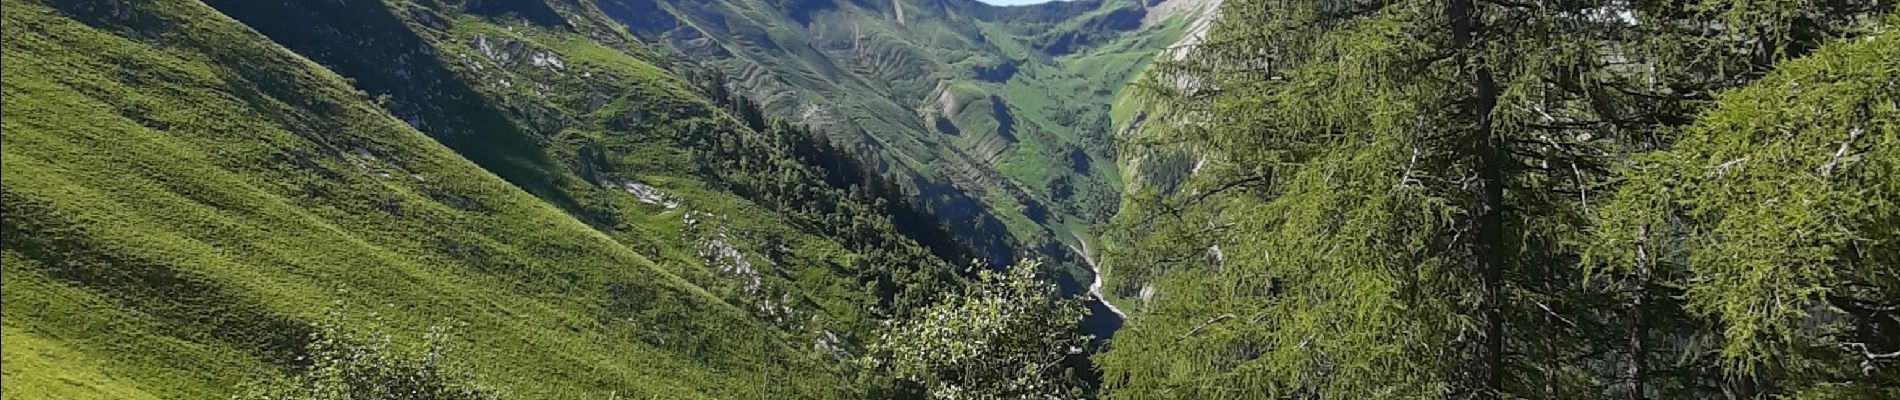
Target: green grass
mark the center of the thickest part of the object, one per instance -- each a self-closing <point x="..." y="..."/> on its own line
<point x="183" y="198"/>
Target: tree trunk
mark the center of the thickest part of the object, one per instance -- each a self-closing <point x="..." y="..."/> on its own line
<point x="1639" y="320"/>
<point x="1741" y="387"/>
<point x="1547" y="281"/>
<point x="1490" y="251"/>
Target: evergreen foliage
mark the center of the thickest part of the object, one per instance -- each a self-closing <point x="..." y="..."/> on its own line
<point x="1398" y="199"/>
<point x="1775" y="216"/>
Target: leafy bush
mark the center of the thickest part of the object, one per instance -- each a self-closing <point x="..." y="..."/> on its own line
<point x="1005" y="337"/>
<point x="353" y="364"/>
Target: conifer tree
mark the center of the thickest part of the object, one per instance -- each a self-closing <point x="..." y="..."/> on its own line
<point x="1393" y="198"/>
<point x="1779" y="207"/>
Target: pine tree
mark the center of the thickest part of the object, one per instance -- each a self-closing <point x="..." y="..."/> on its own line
<point x="1393" y="198"/>
<point x="1783" y="202"/>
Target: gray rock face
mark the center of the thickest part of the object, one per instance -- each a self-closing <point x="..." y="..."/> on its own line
<point x="650" y="195"/>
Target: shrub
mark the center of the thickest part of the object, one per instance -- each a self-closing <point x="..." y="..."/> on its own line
<point x="360" y="364"/>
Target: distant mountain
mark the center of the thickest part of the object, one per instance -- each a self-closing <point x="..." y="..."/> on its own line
<point x="998" y="116"/>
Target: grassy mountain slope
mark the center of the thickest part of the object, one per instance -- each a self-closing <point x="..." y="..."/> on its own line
<point x="998" y="115"/>
<point x="185" y="200"/>
<point x="606" y="119"/>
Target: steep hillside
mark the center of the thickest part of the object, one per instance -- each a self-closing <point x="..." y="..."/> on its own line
<point x="998" y="116"/>
<point x="191" y="190"/>
<point x="1153" y="161"/>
